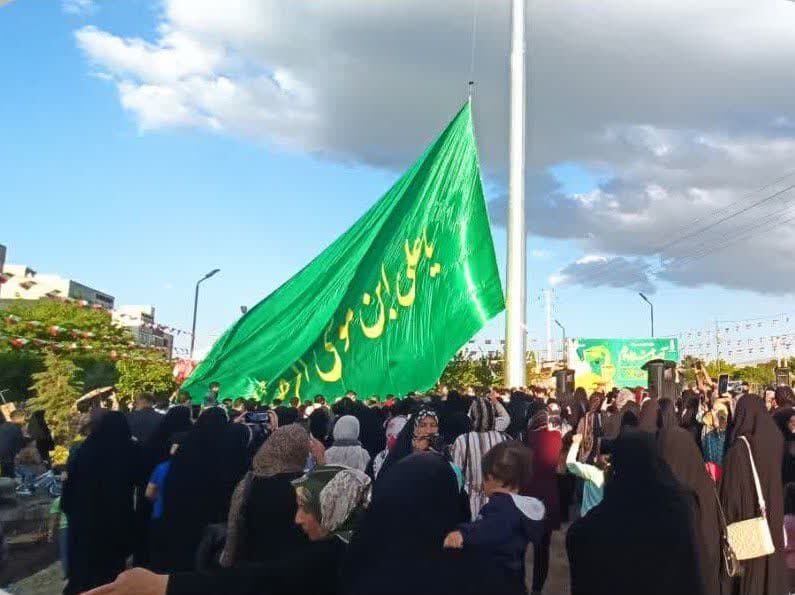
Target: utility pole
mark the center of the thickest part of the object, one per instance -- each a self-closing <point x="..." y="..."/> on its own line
<point x="516" y="294"/>
<point x="717" y="346"/>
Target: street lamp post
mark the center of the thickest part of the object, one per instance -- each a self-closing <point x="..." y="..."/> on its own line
<point x="196" y="308"/>
<point x="565" y="351"/>
<point x="645" y="299"/>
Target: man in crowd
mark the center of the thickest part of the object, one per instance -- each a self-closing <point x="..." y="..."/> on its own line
<point x="211" y="400"/>
<point x="144" y="420"/>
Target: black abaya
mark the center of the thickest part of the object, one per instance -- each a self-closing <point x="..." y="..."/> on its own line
<point x="98" y="502"/>
<point x="649" y="412"/>
<point x="689" y="420"/>
<point x="666" y="416"/>
<point x="199" y="486"/>
<point x="679" y="451"/>
<point x="767" y="575"/>
<point x="155" y="451"/>
<point x="40" y="432"/>
<point x="398" y="547"/>
<point x="781" y="417"/>
<point x="641" y="538"/>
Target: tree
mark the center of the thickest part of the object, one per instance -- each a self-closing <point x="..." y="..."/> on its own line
<point x="139" y="376"/>
<point x="47" y="325"/>
<point x="463" y="371"/>
<point x="489" y="372"/>
<point x="459" y="373"/>
<point x="87" y="336"/>
<point x="762" y="374"/>
<point x="56" y="388"/>
<point x="16" y="370"/>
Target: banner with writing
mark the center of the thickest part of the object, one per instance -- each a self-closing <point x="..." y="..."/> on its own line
<point x="384" y="308"/>
<point x="617" y="362"/>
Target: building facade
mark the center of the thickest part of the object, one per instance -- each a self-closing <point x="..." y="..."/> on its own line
<point x="141" y="322"/>
<point x="23" y="283"/>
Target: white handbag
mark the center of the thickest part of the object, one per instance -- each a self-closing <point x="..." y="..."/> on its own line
<point x="751" y="538"/>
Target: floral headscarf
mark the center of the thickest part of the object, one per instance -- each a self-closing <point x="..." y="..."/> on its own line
<point x="336" y="496"/>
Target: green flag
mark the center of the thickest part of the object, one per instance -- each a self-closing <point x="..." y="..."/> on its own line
<point x="385" y="307"/>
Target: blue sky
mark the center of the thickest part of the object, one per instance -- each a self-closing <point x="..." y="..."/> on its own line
<point x="142" y="215"/>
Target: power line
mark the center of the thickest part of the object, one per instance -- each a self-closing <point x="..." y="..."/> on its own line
<point x="727" y="217"/>
<point x="603" y="274"/>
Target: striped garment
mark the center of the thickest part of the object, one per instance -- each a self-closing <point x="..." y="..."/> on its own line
<point x="479" y="444"/>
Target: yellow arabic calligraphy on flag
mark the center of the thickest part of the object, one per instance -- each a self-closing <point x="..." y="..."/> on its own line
<point x="382" y="309"/>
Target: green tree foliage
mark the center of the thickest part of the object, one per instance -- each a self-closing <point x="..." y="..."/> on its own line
<point x="97" y="372"/>
<point x="760" y="374"/>
<point x="55" y="390"/>
<point x="86" y="336"/>
<point x="16" y="370"/>
<point x="138" y="376"/>
<point x="463" y="371"/>
<point x="79" y="330"/>
<point x="459" y="373"/>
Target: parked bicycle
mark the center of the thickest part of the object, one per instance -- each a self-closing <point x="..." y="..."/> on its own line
<point x="49" y="481"/>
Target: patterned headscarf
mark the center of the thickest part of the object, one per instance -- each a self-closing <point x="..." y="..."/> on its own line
<point x="483" y="414"/>
<point x="554" y="418"/>
<point x="591" y="430"/>
<point x="539" y="421"/>
<point x="422" y="414"/>
<point x="284" y="452"/>
<point x="336" y="496"/>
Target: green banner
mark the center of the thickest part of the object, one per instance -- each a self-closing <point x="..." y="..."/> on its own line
<point x="617" y="362"/>
<point x="386" y="306"/>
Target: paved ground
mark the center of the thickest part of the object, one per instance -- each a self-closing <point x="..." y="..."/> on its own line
<point x="44" y="582"/>
<point x="48" y="581"/>
<point x="558" y="579"/>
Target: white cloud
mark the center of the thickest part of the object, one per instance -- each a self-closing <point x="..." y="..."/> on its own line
<point x="591" y="258"/>
<point x="78" y="7"/>
<point x="668" y="97"/>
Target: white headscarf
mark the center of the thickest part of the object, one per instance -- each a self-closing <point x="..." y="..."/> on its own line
<point x="347" y="450"/>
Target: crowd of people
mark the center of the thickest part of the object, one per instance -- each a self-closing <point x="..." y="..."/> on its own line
<point x="442" y="493"/>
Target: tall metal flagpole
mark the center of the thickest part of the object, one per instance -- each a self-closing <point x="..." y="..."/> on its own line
<point x="516" y="299"/>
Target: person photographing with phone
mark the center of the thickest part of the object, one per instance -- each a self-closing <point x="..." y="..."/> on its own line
<point x="420" y="434"/>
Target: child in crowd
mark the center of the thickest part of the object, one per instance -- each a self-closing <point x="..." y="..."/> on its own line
<point x="593" y="476"/>
<point x="29" y="465"/>
<point x="155" y="491"/>
<point x="59" y="526"/>
<point x="789" y="532"/>
<point x="508" y="521"/>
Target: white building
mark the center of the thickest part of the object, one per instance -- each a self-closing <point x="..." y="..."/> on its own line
<point x="141" y="322"/>
<point x="23" y="283"/>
